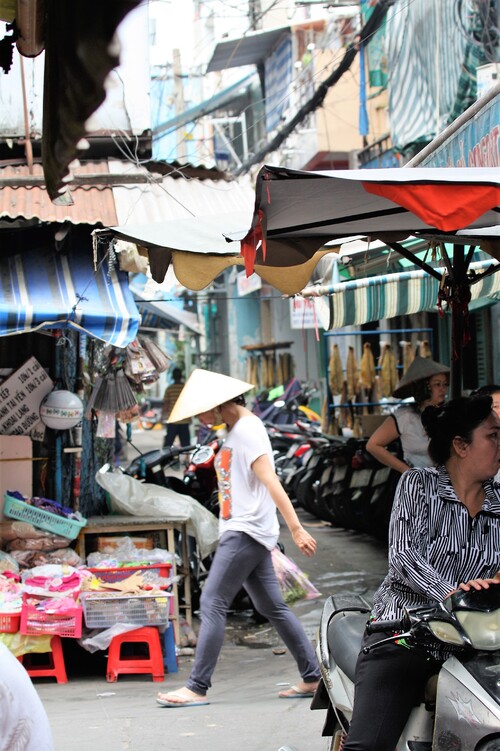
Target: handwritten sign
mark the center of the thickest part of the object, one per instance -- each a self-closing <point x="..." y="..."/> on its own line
<point x="20" y="398"/>
<point x="302" y="314"/>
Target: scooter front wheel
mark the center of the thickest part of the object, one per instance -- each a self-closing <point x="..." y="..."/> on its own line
<point x="146" y="424"/>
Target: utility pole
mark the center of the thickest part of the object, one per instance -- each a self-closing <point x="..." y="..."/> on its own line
<point x="255" y="14"/>
<point x="180" y="105"/>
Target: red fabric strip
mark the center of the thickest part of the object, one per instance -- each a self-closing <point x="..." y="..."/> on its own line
<point x="250" y="243"/>
<point x="447" y="207"/>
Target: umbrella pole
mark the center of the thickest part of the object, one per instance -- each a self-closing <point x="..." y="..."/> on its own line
<point x="456" y="362"/>
<point x="457" y="321"/>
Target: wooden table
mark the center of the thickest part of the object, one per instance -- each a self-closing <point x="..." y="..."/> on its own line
<point x="125" y="525"/>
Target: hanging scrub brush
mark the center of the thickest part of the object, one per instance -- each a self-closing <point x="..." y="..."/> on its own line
<point x="352" y="375"/>
<point x="335" y="372"/>
<point x="388" y="372"/>
<point x="408" y="355"/>
<point x="279" y="370"/>
<point x="367" y="368"/>
<point x="425" y="350"/>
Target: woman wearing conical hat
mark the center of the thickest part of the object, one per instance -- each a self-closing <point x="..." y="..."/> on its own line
<point x="427" y="382"/>
<point x="249" y="495"/>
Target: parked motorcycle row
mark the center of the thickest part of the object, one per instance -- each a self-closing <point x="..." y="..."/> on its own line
<point x="333" y="477"/>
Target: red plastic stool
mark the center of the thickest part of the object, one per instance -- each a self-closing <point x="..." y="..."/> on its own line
<point x="54" y="668"/>
<point x="152" y="664"/>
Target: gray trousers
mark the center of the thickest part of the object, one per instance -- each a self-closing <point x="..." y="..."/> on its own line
<point x="242" y="561"/>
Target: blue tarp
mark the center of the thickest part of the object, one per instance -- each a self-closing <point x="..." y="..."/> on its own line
<point x="43" y="289"/>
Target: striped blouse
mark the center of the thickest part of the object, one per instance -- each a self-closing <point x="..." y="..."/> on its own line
<point x="434" y="544"/>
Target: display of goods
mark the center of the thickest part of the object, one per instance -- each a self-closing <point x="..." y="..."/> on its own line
<point x="103" y="611"/>
<point x="37" y="622"/>
<point x="110" y="544"/>
<point x="152" y="572"/>
<point x="9" y="623"/>
<point x="59" y="525"/>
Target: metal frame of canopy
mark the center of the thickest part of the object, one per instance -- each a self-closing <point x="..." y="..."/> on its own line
<point x="304" y="210"/>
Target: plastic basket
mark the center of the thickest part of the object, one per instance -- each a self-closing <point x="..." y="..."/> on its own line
<point x="9" y="623"/>
<point x="36" y="622"/>
<point x="138" y="610"/>
<point x="58" y="525"/>
<point x="154" y="571"/>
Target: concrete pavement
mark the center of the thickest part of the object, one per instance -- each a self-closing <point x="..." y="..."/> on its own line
<point x="89" y="714"/>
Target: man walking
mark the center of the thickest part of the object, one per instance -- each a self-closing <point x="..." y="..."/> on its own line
<point x="178" y="429"/>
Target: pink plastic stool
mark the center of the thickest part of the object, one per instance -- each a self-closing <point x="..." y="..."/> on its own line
<point x="55" y="667"/>
<point x="152" y="664"/>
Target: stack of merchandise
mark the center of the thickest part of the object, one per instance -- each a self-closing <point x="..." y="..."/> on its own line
<point x="128" y="587"/>
<point x="39" y="531"/>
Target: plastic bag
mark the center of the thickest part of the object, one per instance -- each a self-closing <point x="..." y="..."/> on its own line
<point x="129" y="496"/>
<point x="99" y="639"/>
<point x="294" y="584"/>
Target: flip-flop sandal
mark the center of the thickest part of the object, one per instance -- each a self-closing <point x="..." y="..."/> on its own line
<point x="296" y="693"/>
<point x="185" y="703"/>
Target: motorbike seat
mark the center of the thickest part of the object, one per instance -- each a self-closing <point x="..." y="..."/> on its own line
<point x="345" y="633"/>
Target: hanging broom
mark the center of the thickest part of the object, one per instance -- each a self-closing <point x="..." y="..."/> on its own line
<point x="335" y="372"/>
<point x="160" y="360"/>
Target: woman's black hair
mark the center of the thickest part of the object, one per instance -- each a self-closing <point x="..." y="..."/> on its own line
<point x="488" y="390"/>
<point x="421" y="391"/>
<point x="456" y="418"/>
<point x="240" y="400"/>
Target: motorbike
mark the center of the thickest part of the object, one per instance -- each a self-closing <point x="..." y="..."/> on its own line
<point x="288" y="406"/>
<point x="291" y="446"/>
<point x="150" y="413"/>
<point x="199" y="481"/>
<point x="460" y="707"/>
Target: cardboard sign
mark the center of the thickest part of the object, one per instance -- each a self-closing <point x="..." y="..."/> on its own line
<point x="20" y="398"/>
<point x="302" y="314"/>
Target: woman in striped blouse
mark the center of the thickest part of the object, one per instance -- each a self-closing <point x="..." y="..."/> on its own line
<point x="444" y="535"/>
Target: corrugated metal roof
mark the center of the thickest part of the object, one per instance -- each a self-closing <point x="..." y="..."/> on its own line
<point x="131" y="195"/>
<point x="93" y="204"/>
<point x="176" y="198"/>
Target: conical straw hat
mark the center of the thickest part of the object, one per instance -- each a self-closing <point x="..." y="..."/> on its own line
<point x="420" y="368"/>
<point x="205" y="390"/>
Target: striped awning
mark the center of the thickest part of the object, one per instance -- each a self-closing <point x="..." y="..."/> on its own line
<point x="361" y="301"/>
<point x="41" y="289"/>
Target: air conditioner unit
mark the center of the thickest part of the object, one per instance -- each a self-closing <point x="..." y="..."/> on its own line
<point x="487" y="76"/>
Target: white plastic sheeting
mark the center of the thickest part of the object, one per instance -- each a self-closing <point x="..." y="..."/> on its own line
<point x="129" y="496"/>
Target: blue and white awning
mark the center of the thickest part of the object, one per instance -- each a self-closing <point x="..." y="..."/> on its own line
<point x="361" y="301"/>
<point x="42" y="289"/>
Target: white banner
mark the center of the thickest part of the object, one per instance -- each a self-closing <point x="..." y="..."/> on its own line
<point x="303" y="314"/>
<point x="20" y="398"/>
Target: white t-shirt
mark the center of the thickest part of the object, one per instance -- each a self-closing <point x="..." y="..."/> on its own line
<point x="414" y="439"/>
<point x="245" y="503"/>
<point x="23" y="721"/>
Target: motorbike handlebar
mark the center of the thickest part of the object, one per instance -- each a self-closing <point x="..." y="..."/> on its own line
<point x="373" y="627"/>
<point x="185" y="449"/>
